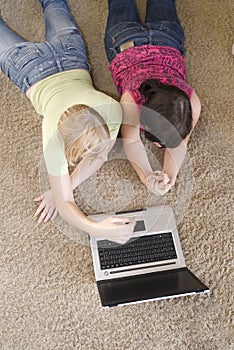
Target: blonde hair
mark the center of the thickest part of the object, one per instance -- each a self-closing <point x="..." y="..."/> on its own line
<point x="84" y="133"/>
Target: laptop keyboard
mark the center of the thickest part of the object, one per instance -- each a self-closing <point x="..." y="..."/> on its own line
<point x="145" y="249"/>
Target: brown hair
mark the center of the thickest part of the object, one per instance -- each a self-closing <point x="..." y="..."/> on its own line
<point x="167" y="116"/>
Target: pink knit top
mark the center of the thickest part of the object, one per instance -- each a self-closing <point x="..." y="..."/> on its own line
<point x="139" y="63"/>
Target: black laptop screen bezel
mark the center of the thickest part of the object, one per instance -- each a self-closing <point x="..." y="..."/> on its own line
<point x="150" y="286"/>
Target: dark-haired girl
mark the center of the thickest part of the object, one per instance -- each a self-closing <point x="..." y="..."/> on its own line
<point x="148" y="68"/>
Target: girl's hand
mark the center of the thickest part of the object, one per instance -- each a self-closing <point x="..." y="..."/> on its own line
<point x="116" y="229"/>
<point x="47" y="209"/>
<point x="159" y="183"/>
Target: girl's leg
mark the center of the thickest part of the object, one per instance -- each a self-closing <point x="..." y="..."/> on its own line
<point x="161" y="10"/>
<point x="57" y="17"/>
<point x="7" y="37"/>
<point x="164" y="24"/>
<point x="121" y="11"/>
<point x="122" y="23"/>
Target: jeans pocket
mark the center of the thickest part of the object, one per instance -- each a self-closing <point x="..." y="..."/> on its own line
<point x="72" y="44"/>
<point x="23" y="54"/>
<point x="171" y="31"/>
<point x="126" y="31"/>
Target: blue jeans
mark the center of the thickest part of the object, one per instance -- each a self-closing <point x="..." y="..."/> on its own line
<point x="161" y="26"/>
<point x="26" y="63"/>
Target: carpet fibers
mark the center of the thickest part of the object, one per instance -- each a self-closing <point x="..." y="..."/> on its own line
<point x="48" y="295"/>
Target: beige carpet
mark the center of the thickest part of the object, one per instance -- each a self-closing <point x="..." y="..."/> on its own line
<point x="48" y="295"/>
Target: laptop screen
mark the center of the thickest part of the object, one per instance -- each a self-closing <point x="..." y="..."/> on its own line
<point x="157" y="285"/>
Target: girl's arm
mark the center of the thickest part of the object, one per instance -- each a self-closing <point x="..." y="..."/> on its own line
<point x="135" y="149"/>
<point x="115" y="229"/>
<point x="133" y="145"/>
<point x="174" y="157"/>
<point x="83" y="171"/>
<point x="88" y="167"/>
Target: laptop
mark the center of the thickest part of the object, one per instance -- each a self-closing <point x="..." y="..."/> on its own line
<point x="150" y="266"/>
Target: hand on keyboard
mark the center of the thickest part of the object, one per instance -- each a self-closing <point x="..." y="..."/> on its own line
<point x="116" y="229"/>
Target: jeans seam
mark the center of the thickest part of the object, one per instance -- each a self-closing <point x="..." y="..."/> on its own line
<point x="54" y="55"/>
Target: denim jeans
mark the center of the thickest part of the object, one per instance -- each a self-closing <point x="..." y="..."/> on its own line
<point x="161" y="26"/>
<point x="26" y="63"/>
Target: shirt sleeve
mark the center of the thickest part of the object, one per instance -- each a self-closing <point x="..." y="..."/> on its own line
<point x="53" y="150"/>
<point x="115" y="119"/>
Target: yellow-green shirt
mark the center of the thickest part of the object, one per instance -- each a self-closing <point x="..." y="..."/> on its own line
<point x="53" y="95"/>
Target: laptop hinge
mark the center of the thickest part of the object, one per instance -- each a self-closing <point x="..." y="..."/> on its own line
<point x="130" y="211"/>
